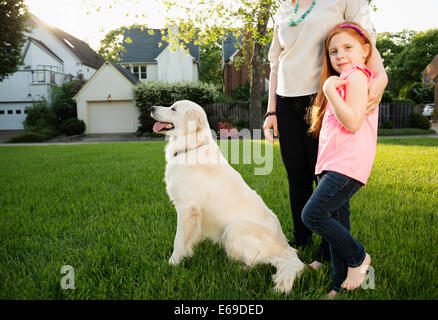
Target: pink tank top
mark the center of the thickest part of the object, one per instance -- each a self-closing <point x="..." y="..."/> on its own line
<point x="349" y="153"/>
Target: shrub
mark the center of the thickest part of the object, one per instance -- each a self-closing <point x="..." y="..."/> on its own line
<point x="72" y="126"/>
<point x="153" y="93"/>
<point x="387" y="96"/>
<point x="62" y="104"/>
<point x="420" y="92"/>
<point x="420" y="121"/>
<point x="241" y="93"/>
<point x="39" y="116"/>
<point x="388" y="124"/>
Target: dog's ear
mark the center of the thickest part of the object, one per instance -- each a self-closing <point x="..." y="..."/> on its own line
<point x="194" y="121"/>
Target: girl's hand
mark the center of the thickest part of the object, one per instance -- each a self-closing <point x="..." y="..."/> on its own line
<point x="332" y="83"/>
<point x="270" y="122"/>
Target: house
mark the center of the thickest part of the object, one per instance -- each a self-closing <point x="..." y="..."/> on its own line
<point x="151" y="59"/>
<point x="105" y="103"/>
<point x="232" y="76"/>
<point x="430" y="75"/>
<point x="50" y="56"/>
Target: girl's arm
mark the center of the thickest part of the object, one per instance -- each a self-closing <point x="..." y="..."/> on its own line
<point x="351" y="112"/>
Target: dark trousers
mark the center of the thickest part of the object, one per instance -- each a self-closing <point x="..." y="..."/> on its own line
<point x="327" y="213"/>
<point x="299" y="152"/>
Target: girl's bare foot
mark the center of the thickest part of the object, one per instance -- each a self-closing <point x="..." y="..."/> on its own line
<point x="355" y="276"/>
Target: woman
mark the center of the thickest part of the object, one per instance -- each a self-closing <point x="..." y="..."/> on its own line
<point x="296" y="60"/>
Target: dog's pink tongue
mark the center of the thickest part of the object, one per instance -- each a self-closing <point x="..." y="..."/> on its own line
<point x="158" y="126"/>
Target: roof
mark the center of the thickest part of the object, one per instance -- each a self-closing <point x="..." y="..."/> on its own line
<point x="432" y="68"/>
<point x="145" y="46"/>
<point x="78" y="47"/>
<point x="229" y="47"/>
<point x="125" y="72"/>
<point x="42" y="45"/>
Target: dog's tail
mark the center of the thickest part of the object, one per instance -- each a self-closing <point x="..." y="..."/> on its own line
<point x="288" y="269"/>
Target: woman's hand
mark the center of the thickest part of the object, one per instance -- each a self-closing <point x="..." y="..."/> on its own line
<point x="270" y="123"/>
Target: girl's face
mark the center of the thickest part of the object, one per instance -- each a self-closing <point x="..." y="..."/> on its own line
<point x="345" y="51"/>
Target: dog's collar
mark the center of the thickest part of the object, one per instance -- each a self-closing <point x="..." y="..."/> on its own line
<point x="187" y="150"/>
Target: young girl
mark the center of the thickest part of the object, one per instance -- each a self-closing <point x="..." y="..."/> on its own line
<point x="347" y="146"/>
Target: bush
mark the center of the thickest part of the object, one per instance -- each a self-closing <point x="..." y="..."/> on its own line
<point x="153" y="93"/>
<point x="420" y="93"/>
<point x="39" y="116"/>
<point x="420" y="121"/>
<point x="387" y="96"/>
<point x="388" y="124"/>
<point x="241" y="93"/>
<point x="62" y="104"/>
<point x="72" y="126"/>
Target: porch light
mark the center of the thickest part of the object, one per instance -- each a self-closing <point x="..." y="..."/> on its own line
<point x="109" y="98"/>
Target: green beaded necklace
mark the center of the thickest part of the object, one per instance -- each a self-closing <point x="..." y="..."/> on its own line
<point x="294" y="23"/>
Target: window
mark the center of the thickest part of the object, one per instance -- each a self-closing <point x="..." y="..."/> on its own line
<point x="135" y="72"/>
<point x="2" y="111"/>
<point x="143" y="72"/>
<point x="140" y="72"/>
<point x="427" y="78"/>
<point x="10" y="111"/>
<point x="17" y="111"/>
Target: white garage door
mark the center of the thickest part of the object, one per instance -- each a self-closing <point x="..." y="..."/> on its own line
<point x="114" y="117"/>
<point x="12" y="116"/>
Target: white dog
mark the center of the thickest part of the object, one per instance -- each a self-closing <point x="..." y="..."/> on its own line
<point x="213" y="201"/>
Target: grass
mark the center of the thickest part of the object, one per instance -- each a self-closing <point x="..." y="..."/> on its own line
<point x="103" y="209"/>
<point x="405" y="131"/>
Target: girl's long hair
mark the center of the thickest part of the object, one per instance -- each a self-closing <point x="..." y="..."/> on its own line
<point x="316" y="112"/>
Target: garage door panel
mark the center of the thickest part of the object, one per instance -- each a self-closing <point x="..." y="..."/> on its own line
<point x="114" y="117"/>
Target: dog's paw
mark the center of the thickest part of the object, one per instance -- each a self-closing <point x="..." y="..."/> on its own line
<point x="174" y="260"/>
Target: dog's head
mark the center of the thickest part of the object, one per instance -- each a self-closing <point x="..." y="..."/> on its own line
<point x="182" y="118"/>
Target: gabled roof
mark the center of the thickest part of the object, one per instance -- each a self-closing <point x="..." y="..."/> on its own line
<point x="432" y="68"/>
<point x="78" y="47"/>
<point x="41" y="45"/>
<point x="123" y="71"/>
<point x="229" y="47"/>
<point x="144" y="47"/>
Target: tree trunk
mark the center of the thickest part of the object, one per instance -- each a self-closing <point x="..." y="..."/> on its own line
<point x="255" y="106"/>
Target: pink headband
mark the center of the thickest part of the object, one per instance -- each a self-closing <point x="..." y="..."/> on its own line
<point x="346" y="25"/>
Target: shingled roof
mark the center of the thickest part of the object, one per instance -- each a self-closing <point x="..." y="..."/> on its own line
<point x="144" y="47"/>
<point x="78" y="47"/>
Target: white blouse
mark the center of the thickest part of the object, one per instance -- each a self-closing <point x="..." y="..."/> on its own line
<point x="296" y="54"/>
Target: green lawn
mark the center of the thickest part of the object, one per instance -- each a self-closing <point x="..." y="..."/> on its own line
<point x="103" y="209"/>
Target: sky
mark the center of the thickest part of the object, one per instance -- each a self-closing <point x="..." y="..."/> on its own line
<point x="71" y="16"/>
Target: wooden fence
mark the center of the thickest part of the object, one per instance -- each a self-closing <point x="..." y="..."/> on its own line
<point x="398" y="112"/>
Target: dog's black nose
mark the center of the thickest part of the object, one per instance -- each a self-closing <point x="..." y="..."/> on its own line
<point x="153" y="109"/>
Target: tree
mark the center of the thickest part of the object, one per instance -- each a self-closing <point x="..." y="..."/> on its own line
<point x="111" y="46"/>
<point x="205" y="20"/>
<point x="13" y="14"/>
<point x="414" y="58"/>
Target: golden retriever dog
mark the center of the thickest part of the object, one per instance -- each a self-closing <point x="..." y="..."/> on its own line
<point x="213" y="201"/>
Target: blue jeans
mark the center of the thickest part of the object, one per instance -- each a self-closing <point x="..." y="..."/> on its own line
<point x="327" y="213"/>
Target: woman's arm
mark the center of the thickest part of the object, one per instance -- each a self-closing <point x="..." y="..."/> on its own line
<point x="378" y="84"/>
<point x="271" y="121"/>
<point x="351" y="112"/>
